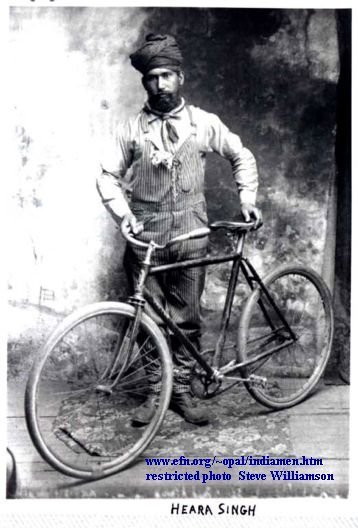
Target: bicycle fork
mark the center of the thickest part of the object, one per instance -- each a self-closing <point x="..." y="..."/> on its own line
<point x="122" y="354"/>
<point x="125" y="347"/>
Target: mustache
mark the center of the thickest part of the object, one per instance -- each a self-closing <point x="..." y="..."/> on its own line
<point x="164" y="94"/>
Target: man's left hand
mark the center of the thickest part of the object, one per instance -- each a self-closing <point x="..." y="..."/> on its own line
<point x="251" y="213"/>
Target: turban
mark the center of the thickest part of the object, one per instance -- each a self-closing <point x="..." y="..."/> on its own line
<point x="159" y="51"/>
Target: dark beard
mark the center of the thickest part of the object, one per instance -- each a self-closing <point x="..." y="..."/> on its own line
<point x="164" y="102"/>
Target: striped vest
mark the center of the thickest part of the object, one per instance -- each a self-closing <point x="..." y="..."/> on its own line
<point x="169" y="201"/>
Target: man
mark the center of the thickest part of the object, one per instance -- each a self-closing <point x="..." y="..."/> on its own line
<point x="164" y="146"/>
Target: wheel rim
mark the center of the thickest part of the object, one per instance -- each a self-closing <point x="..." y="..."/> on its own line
<point x="289" y="374"/>
<point x="79" y="427"/>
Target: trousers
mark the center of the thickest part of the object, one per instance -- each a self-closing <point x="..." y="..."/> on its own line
<point x="178" y="292"/>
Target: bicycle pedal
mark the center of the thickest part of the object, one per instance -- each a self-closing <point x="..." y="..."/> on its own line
<point x="104" y="388"/>
<point x="260" y="381"/>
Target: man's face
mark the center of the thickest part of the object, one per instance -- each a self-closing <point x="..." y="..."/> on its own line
<point x="162" y="86"/>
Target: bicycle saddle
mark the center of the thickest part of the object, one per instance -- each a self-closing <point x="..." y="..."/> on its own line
<point x="232" y="226"/>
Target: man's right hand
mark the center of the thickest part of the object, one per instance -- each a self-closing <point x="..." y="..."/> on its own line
<point x="135" y="227"/>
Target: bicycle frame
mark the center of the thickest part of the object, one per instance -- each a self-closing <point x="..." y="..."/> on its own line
<point x="112" y="349"/>
<point x="213" y="371"/>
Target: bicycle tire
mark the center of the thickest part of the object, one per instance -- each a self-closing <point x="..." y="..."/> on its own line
<point x="79" y="430"/>
<point x="293" y="372"/>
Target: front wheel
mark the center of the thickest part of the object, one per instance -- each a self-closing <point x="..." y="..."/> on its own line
<point x="85" y="387"/>
<point x="289" y="324"/>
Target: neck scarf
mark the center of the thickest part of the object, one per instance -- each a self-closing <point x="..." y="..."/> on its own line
<point x="168" y="128"/>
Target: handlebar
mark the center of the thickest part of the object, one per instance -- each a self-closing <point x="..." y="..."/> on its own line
<point x="130" y="237"/>
<point x="235" y="227"/>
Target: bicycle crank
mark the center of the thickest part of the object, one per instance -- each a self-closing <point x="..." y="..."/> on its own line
<point x="203" y="385"/>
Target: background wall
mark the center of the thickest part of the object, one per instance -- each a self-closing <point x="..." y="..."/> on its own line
<point x="271" y="75"/>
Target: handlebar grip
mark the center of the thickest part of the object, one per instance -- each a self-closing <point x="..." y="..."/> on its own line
<point x="129" y="235"/>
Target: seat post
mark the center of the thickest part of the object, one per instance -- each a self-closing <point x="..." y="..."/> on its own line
<point x="240" y="243"/>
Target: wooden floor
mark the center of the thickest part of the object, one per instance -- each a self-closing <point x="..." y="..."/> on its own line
<point x="318" y="428"/>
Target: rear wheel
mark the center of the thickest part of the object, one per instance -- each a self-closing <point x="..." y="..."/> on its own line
<point x="290" y="373"/>
<point x="85" y="387"/>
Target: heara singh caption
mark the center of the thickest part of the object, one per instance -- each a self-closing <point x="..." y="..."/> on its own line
<point x="222" y="508"/>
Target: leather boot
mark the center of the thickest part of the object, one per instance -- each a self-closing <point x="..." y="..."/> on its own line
<point x="145" y="412"/>
<point x="184" y="405"/>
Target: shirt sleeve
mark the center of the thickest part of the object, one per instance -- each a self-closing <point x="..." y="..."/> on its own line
<point x="218" y="138"/>
<point x="116" y="158"/>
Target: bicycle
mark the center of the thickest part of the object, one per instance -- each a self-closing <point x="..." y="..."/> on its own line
<point x="92" y="372"/>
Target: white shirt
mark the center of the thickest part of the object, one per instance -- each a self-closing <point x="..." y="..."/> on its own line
<point x="211" y="136"/>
